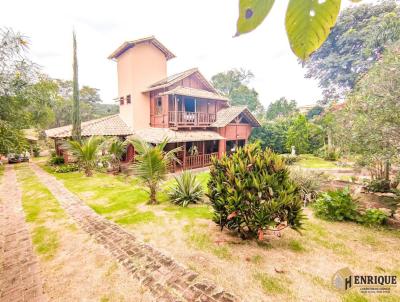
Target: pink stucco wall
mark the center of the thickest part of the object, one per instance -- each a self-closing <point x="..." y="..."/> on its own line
<point x="139" y="67"/>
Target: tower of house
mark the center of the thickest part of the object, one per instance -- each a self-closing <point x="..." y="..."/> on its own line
<point x="140" y="63"/>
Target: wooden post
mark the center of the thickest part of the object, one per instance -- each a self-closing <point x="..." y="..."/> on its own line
<point x="204" y="153"/>
<point x="176" y="111"/>
<point x="184" y="156"/>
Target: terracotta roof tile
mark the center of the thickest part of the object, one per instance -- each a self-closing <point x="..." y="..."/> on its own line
<point x="193" y="92"/>
<point x="227" y="115"/>
<point x="157" y="135"/>
<point x="111" y="125"/>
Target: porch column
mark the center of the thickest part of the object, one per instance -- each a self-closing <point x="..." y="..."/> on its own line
<point x="184" y="156"/>
<point x="204" y="153"/>
<point x="176" y="111"/>
<point x="221" y="147"/>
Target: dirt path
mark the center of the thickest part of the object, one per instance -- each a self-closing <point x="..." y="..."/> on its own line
<point x="20" y="278"/>
<point x="161" y="275"/>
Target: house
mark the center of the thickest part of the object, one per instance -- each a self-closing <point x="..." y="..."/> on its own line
<point x="184" y="108"/>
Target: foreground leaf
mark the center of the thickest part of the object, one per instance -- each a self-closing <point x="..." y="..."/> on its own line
<point x="251" y="14"/>
<point x="308" y="23"/>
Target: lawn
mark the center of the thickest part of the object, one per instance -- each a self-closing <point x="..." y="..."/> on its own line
<point x="311" y="161"/>
<point x="292" y="267"/>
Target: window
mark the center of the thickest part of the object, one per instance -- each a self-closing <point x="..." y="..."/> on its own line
<point x="121" y="100"/>
<point x="158" y="105"/>
<point x="128" y="99"/>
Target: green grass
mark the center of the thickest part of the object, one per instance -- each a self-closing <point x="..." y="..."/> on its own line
<point x="191" y="212"/>
<point x="45" y="241"/>
<point x="272" y="285"/>
<point x="296" y="246"/>
<point x="354" y="296"/>
<point x="40" y="207"/>
<point x="311" y="161"/>
<point x="1" y="170"/>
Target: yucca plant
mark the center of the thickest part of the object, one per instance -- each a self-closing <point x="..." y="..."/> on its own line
<point x="152" y="164"/>
<point x="251" y="192"/>
<point x="86" y="153"/>
<point x="186" y="190"/>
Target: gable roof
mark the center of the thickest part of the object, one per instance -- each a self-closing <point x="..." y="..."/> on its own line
<point x="197" y="93"/>
<point x="175" y="78"/>
<point x="157" y="135"/>
<point x="111" y="125"/>
<point x="227" y="115"/>
<point x="129" y="44"/>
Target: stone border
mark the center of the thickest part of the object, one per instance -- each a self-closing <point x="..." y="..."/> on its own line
<point x="161" y="275"/>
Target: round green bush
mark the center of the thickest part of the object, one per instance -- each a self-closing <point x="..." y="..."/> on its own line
<point x="251" y="191"/>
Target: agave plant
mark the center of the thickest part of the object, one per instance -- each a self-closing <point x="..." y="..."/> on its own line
<point x="86" y="153"/>
<point x="152" y="164"/>
<point x="186" y="190"/>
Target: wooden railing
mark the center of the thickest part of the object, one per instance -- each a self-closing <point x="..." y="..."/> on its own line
<point x="197" y="161"/>
<point x="183" y="118"/>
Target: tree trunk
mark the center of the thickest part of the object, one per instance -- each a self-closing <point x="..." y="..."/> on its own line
<point x="387" y="170"/>
<point x="153" y="199"/>
<point x="76" y="115"/>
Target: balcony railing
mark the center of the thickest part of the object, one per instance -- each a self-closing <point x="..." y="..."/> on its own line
<point x="182" y="118"/>
<point x="197" y="161"/>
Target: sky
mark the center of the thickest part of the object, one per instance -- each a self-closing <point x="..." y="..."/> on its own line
<point x="199" y="33"/>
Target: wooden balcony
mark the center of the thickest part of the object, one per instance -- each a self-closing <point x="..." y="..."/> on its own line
<point x="198" y="161"/>
<point x="190" y="119"/>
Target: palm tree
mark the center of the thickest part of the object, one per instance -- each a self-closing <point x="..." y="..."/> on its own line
<point x="86" y="153"/>
<point x="116" y="148"/>
<point x="152" y="164"/>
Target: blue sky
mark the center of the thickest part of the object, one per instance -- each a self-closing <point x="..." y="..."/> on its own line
<point x="198" y="32"/>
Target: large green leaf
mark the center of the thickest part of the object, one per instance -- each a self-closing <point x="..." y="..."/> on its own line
<point x="251" y="14"/>
<point x="308" y="23"/>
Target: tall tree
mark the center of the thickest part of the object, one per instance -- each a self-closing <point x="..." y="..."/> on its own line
<point x="234" y="84"/>
<point x="358" y="39"/>
<point x="373" y="113"/>
<point x="76" y="115"/>
<point x="281" y="108"/>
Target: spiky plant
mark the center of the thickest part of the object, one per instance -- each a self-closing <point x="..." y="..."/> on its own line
<point x="186" y="190"/>
<point x="152" y="164"/>
<point x="86" y="153"/>
<point x="76" y="114"/>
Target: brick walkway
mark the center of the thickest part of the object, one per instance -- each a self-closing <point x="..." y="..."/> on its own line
<point x="166" y="279"/>
<point x="19" y="269"/>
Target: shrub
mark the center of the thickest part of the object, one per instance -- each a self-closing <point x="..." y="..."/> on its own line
<point x="66" y="168"/>
<point x="186" y="190"/>
<point x="290" y="159"/>
<point x="251" y="191"/>
<point x="379" y="185"/>
<point x="336" y="205"/>
<point x="374" y="217"/>
<point x="308" y="183"/>
<point x="56" y="160"/>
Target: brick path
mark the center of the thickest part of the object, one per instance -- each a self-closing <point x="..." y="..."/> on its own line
<point x="19" y="269"/>
<point x="166" y="279"/>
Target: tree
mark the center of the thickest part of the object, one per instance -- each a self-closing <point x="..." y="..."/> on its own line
<point x="315" y="111"/>
<point x="281" y="108"/>
<point x="373" y="114"/>
<point x="24" y="92"/>
<point x="299" y="135"/>
<point x="358" y="40"/>
<point x="308" y="22"/>
<point x="76" y="115"/>
<point x="233" y="83"/>
<point x="272" y="135"/>
<point x="86" y="153"/>
<point x="152" y="164"/>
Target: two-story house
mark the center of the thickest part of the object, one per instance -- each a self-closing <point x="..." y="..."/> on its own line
<point x="183" y="108"/>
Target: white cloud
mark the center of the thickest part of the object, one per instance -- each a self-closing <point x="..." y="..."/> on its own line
<point x="198" y="32"/>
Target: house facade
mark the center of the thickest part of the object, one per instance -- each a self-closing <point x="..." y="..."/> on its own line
<point x="183" y="108"/>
